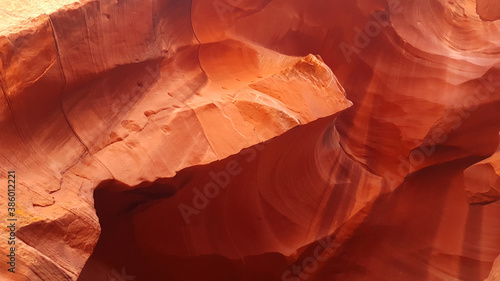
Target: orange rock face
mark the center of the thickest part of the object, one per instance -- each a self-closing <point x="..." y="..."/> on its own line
<point x="250" y="140"/>
<point x="495" y="272"/>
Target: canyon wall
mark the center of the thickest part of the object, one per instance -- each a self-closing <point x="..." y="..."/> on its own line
<point x="251" y="140"/>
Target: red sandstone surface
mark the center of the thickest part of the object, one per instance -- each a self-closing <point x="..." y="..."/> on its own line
<point x="250" y="139"/>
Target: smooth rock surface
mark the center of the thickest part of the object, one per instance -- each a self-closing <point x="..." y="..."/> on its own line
<point x="229" y="139"/>
<point x="482" y="180"/>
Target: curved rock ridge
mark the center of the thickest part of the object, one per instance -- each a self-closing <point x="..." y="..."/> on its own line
<point x="217" y="140"/>
<point x="482" y="180"/>
<point x="389" y="56"/>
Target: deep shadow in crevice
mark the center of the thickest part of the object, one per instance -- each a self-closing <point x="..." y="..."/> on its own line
<point x="120" y="206"/>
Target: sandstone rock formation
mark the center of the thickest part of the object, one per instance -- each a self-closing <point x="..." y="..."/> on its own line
<point x="251" y="139"/>
<point x="495" y="272"/>
<point x="483" y="180"/>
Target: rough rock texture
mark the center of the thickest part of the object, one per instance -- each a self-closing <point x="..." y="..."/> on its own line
<point x="232" y="139"/>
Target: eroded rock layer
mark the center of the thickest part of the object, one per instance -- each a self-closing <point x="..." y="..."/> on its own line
<point x="252" y="140"/>
<point x="483" y="180"/>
